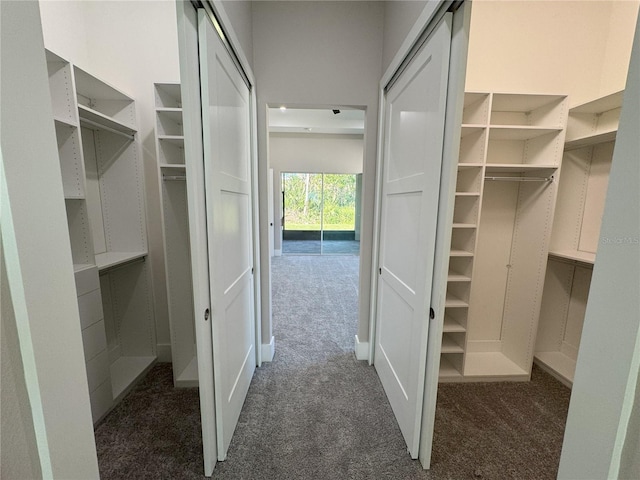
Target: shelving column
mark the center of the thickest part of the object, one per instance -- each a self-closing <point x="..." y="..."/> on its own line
<point x="473" y="144"/>
<point x="171" y="163"/>
<point x="588" y="152"/>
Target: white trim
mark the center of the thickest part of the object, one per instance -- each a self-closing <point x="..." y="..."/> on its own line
<point x="163" y="352"/>
<point x="268" y="350"/>
<point x="277" y="252"/>
<point x="361" y="349"/>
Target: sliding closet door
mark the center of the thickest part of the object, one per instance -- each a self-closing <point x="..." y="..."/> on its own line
<point x="226" y="115"/>
<point x="413" y="135"/>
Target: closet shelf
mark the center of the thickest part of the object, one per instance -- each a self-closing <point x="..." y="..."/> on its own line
<point x="517" y="167"/>
<point x="584" y="257"/>
<point x="100" y="119"/>
<point x="174" y="166"/>
<point x="79" y="267"/>
<point x="557" y="364"/>
<point x="452" y="326"/>
<point x="467" y="194"/>
<point x="588" y="140"/>
<point x="512" y="132"/>
<point x="464" y="225"/>
<point x="468" y="129"/>
<point x="460" y="253"/>
<point x="65" y="121"/>
<point x="189" y="376"/>
<point x="126" y="371"/>
<point x="456" y="277"/>
<point x="470" y="165"/>
<point x="447" y="370"/>
<point x="449" y="345"/>
<point x="455" y="302"/>
<point x="493" y="364"/>
<point x="175" y="139"/>
<point x="107" y="260"/>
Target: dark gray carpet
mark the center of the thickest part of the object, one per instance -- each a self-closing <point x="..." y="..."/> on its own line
<point x="317" y="413"/>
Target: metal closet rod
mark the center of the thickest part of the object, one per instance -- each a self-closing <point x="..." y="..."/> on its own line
<point x="104" y="127"/>
<point x="174" y="177"/>
<point x="520" y="179"/>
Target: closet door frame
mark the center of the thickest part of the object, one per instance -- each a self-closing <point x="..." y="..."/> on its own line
<point x="427" y="21"/>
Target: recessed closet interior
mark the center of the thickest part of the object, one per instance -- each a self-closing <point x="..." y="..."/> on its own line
<point x="544" y="89"/>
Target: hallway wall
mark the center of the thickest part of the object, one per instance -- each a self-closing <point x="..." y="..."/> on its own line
<point x="320" y="54"/>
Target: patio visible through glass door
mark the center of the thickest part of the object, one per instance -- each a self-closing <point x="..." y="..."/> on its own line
<point x="319" y="212"/>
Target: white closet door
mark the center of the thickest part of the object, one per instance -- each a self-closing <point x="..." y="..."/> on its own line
<point x="414" y="130"/>
<point x="227" y="157"/>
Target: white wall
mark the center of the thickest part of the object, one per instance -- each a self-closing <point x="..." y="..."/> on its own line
<point x="580" y="48"/>
<point x="310" y="153"/>
<point x="320" y="54"/>
<point x="130" y="44"/>
<point x="240" y="16"/>
<point x="399" y="17"/>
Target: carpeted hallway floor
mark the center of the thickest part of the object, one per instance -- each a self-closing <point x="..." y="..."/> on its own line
<point x="317" y="413"/>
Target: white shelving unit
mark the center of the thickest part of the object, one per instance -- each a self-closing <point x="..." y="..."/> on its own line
<point x="510" y="150"/>
<point x="170" y="148"/>
<point x="591" y="132"/>
<point x="103" y="188"/>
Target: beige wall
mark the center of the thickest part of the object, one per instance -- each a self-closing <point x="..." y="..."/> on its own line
<point x="399" y="18"/>
<point x="581" y="48"/>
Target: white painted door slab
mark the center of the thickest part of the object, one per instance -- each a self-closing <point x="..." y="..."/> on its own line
<point x="414" y="131"/>
<point x="227" y="161"/>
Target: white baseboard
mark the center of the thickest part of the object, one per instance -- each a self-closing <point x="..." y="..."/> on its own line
<point x="277" y="252"/>
<point x="268" y="350"/>
<point x="163" y="351"/>
<point x="362" y="349"/>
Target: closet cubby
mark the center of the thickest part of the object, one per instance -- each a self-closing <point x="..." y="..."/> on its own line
<point x="103" y="188"/>
<point x="505" y="196"/>
<point x="103" y="106"/>
<point x="170" y="153"/>
<point x="575" y="235"/>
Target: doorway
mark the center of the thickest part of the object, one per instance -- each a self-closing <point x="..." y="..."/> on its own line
<point x="319" y="213"/>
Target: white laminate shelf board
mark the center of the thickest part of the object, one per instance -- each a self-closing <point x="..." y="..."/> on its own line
<point x="452" y="326"/>
<point x="467" y="194"/>
<point x="492" y="364"/>
<point x="588" y="140"/>
<point x="79" y="267"/>
<point x="189" y="376"/>
<point x="98" y="118"/>
<point x="559" y="365"/>
<point x="521" y="102"/>
<point x="470" y="165"/>
<point x="453" y="301"/>
<point x="126" y="371"/>
<point x="175" y="139"/>
<point x="468" y="129"/>
<point x="584" y="257"/>
<point x="91" y="87"/>
<point x="65" y="121"/>
<point x="513" y="132"/>
<point x="600" y="105"/>
<point x="447" y="370"/>
<point x="174" y="166"/>
<point x="460" y="253"/>
<point x="456" y="277"/>
<point x="517" y="167"/>
<point x="450" y="346"/>
<point x="464" y="225"/>
<point x="108" y="260"/>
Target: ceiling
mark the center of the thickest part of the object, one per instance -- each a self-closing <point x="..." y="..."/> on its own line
<point x="312" y="120"/>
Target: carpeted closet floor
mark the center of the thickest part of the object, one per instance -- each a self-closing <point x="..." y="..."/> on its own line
<point x="317" y="413"/>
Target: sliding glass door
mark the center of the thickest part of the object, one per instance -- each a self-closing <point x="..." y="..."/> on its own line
<point x="319" y="214"/>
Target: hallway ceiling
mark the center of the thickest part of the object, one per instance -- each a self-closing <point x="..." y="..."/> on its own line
<point x="316" y="121"/>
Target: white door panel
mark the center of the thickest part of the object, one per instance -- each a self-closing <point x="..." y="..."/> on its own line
<point x="414" y="131"/>
<point x="227" y="163"/>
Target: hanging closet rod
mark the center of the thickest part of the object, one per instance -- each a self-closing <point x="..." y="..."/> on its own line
<point x="520" y="179"/>
<point x="104" y="127"/>
<point x="174" y="177"/>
